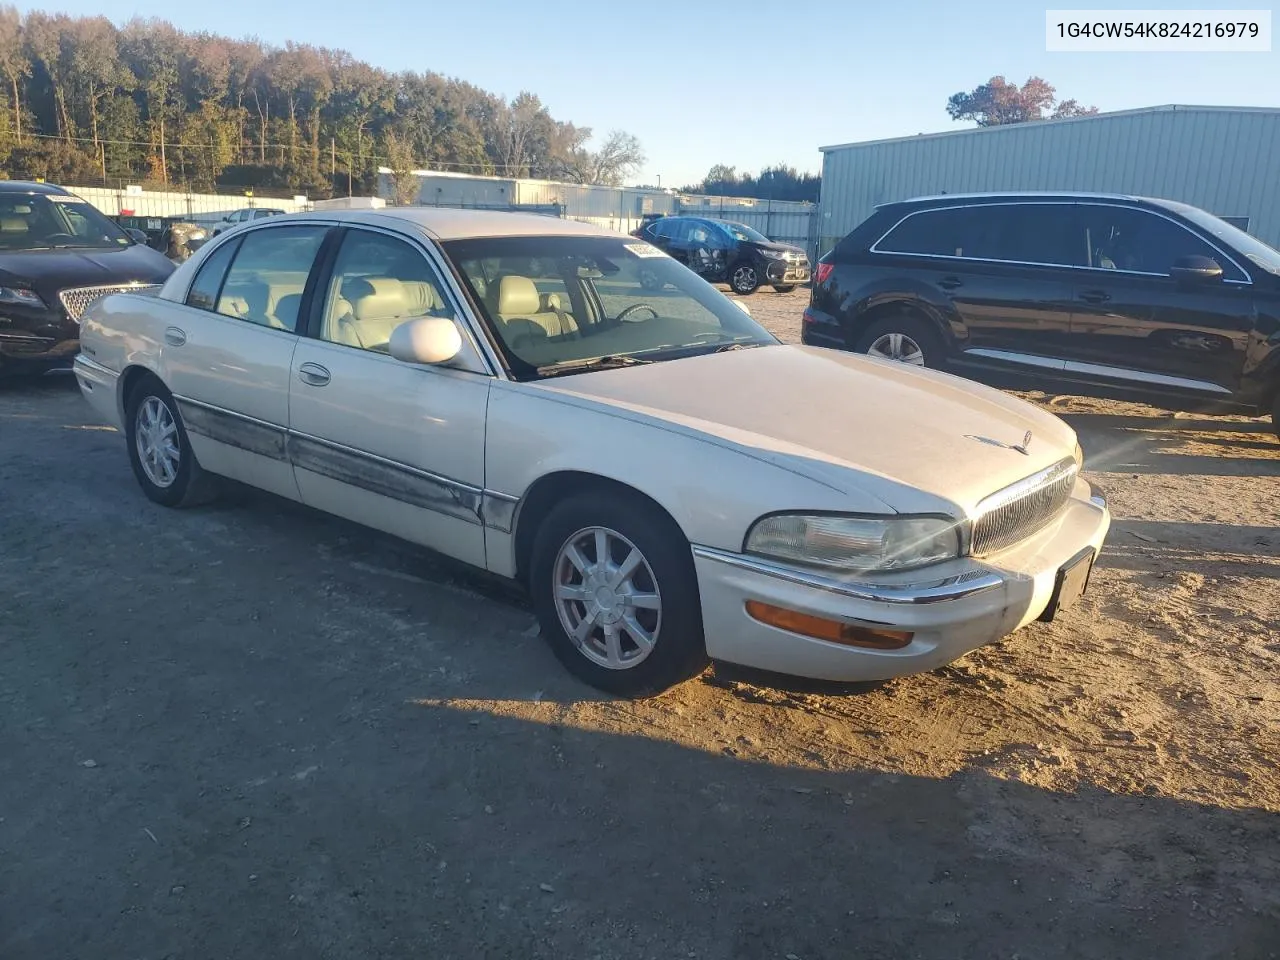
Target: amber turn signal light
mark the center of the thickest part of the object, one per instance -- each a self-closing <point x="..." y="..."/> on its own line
<point x="833" y="631"/>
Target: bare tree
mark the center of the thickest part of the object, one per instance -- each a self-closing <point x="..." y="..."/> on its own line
<point x="13" y="61"/>
<point x="404" y="183"/>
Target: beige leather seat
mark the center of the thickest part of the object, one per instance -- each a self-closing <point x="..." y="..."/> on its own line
<point x="13" y="225"/>
<point x="523" y="312"/>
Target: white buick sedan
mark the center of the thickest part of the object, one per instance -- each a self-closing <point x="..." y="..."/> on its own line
<point x="571" y="408"/>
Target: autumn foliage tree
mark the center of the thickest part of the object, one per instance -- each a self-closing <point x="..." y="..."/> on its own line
<point x="85" y="101"/>
<point x="999" y="102"/>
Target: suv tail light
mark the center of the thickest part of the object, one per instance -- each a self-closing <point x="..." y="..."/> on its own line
<point x="823" y="271"/>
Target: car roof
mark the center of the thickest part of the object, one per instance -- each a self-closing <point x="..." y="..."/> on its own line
<point x="29" y="186"/>
<point x="1013" y="196"/>
<point x="447" y="223"/>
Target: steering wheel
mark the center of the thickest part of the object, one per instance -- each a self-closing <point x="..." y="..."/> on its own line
<point x="622" y="317"/>
<point x="716" y="336"/>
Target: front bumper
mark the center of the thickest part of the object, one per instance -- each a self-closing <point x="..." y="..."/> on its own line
<point x="950" y="609"/>
<point x="786" y="271"/>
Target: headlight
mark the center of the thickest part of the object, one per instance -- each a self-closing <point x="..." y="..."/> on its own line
<point x="20" y="295"/>
<point x="856" y="543"/>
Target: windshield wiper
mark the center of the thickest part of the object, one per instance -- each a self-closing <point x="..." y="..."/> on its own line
<point x="736" y="346"/>
<point x="611" y="362"/>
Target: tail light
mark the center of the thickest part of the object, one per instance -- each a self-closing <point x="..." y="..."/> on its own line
<point x="823" y="271"/>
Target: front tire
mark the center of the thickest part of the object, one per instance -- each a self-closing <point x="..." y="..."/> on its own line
<point x="616" y="594"/>
<point x="902" y="337"/>
<point x="744" y="278"/>
<point x="159" y="451"/>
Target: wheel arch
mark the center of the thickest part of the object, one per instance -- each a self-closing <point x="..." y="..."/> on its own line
<point x="130" y="376"/>
<point x="876" y="308"/>
<point x="553" y="488"/>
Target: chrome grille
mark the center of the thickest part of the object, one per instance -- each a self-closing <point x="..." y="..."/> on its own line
<point x="77" y="299"/>
<point x="1011" y="515"/>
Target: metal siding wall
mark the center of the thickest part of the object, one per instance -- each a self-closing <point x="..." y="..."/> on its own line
<point x="1227" y="162"/>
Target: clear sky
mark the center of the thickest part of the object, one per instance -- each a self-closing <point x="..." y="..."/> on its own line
<point x="746" y="83"/>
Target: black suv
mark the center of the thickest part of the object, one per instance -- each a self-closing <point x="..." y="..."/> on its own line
<point x="1130" y="297"/>
<point x="722" y="251"/>
<point x="57" y="255"/>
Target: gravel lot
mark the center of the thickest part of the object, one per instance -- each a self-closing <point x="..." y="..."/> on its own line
<point x="251" y="730"/>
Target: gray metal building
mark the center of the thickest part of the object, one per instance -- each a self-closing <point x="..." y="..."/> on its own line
<point x="1223" y="159"/>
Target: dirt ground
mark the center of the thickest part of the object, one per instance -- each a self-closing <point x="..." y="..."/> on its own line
<point x="251" y="730"/>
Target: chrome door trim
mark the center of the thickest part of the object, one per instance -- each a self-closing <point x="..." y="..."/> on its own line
<point x="389" y="478"/>
<point x="1010" y="356"/>
<point x="1248" y="281"/>
<point x="1143" y="376"/>
<point x="234" y="429"/>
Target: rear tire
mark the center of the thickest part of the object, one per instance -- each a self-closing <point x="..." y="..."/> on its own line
<point x="904" y="337"/>
<point x="657" y="598"/>
<point x="159" y="451"/>
<point x="784" y="288"/>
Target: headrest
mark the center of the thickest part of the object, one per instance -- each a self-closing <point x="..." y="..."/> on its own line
<point x="517" y="295"/>
<point x="13" y="225"/>
<point x="550" y="302"/>
<point x="379" y="298"/>
<point x="421" y="298"/>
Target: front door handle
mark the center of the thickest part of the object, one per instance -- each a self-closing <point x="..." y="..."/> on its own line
<point x="1095" y="296"/>
<point x="313" y="374"/>
<point x="175" y="336"/>
<point x="950" y="283"/>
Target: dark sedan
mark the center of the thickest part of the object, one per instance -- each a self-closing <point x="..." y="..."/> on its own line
<point x="57" y="255"/>
<point x="1109" y="295"/>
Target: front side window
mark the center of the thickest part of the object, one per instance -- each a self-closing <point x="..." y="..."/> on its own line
<point x="378" y="283"/>
<point x="1129" y="239"/>
<point x="556" y="304"/>
<point x="1233" y="235"/>
<point x="266" y="279"/>
<point x="38" y="221"/>
<point x="743" y="233"/>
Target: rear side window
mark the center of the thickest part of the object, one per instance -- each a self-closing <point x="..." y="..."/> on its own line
<point x="203" y="294"/>
<point x="1037" y="233"/>
<point x="265" y="283"/>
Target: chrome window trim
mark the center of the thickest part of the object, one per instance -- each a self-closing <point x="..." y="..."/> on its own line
<point x="230" y="236"/>
<point x="933" y="591"/>
<point x="874" y="248"/>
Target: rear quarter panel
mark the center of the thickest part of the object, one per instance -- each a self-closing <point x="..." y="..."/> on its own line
<point x="126" y="330"/>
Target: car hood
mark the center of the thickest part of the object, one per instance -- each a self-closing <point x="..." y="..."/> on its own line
<point x="52" y="270"/>
<point x="859" y="425"/>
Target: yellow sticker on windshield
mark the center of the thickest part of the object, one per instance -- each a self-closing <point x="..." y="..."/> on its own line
<point x="644" y="250"/>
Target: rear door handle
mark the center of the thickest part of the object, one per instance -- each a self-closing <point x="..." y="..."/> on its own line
<point x="175" y="336"/>
<point x="313" y="374"/>
<point x="950" y="283"/>
<point x="1095" y="296"/>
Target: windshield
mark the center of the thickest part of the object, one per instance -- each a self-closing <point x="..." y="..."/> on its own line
<point x="571" y="300"/>
<point x="43" y="221"/>
<point x="1259" y="254"/>
<point x="740" y="231"/>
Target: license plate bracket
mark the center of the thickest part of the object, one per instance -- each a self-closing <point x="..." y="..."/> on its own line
<point x="1070" y="583"/>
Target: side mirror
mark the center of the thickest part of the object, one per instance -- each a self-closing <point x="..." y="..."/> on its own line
<point x="1196" y="270"/>
<point x="429" y="340"/>
<point x="136" y="235"/>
